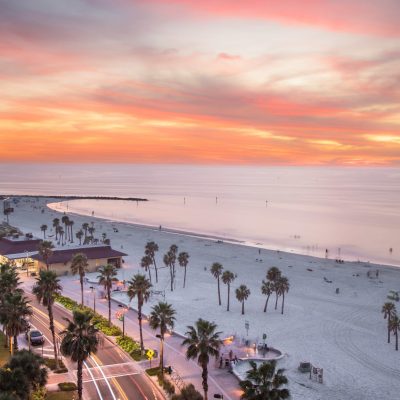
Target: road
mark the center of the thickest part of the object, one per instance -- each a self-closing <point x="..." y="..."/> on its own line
<point x="109" y="374"/>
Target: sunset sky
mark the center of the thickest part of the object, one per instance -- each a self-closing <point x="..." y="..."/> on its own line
<point x="313" y="82"/>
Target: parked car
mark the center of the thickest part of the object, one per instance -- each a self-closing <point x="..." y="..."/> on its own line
<point x="35" y="337"/>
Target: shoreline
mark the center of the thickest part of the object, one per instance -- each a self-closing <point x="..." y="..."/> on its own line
<point x="215" y="238"/>
<point x="72" y="197"/>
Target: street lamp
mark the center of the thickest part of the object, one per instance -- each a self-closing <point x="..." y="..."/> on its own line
<point x="94" y="297"/>
<point x="122" y="318"/>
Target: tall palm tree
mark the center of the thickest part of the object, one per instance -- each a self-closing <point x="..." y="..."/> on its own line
<point x="216" y="271"/>
<point x="139" y="286"/>
<point x="162" y="317"/>
<point x="282" y="286"/>
<point x="65" y="221"/>
<point x="56" y="223"/>
<point x="79" y="340"/>
<point x="106" y="278"/>
<point x="91" y="230"/>
<point x="227" y="278"/>
<point x="71" y="233"/>
<point x="43" y="228"/>
<point x="263" y="383"/>
<point x="150" y="250"/>
<point x="46" y="250"/>
<point x="146" y="263"/>
<point x="169" y="261"/>
<point x="267" y="288"/>
<point x="14" y="312"/>
<point x="85" y="228"/>
<point x="274" y="274"/>
<point x="203" y="341"/>
<point x="395" y="327"/>
<point x="389" y="311"/>
<point x="47" y="287"/>
<point x="79" y="236"/>
<point x="242" y="294"/>
<point x="183" y="260"/>
<point x="79" y="265"/>
<point x="60" y="235"/>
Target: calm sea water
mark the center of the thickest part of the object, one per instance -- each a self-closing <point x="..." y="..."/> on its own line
<point x="352" y="212"/>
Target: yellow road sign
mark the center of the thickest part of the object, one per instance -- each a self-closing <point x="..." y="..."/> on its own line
<point x="150" y="354"/>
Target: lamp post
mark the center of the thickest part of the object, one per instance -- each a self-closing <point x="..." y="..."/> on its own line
<point x="94" y="297"/>
<point x="123" y="319"/>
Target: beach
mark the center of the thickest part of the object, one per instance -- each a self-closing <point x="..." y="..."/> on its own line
<point x="344" y="333"/>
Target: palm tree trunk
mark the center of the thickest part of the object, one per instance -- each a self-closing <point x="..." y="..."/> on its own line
<point x="15" y="346"/>
<point x="243" y="307"/>
<point x="81" y="279"/>
<point x="229" y="289"/>
<point x="155" y="267"/>
<point x="266" y="304"/>
<point x="276" y="301"/>
<point x="283" y="302"/>
<point x="6" y="341"/>
<point x="397" y="340"/>
<point x="219" y="293"/>
<point x="389" y="329"/>
<point x="172" y="278"/>
<point x="140" y="327"/>
<point x="162" y="355"/>
<point x="184" y="278"/>
<point x="79" y="375"/>
<point x="149" y="274"/>
<point x="204" y="375"/>
<point x="53" y="335"/>
<point x="109" y="304"/>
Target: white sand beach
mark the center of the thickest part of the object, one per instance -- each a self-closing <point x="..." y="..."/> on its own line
<point x="344" y="333"/>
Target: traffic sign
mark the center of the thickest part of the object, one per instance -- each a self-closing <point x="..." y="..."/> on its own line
<point x="150" y="354"/>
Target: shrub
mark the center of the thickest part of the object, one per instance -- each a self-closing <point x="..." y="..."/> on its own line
<point x="188" y="392"/>
<point x="67" y="386"/>
<point x="51" y="364"/>
<point x="153" y="371"/>
<point x="166" y="384"/>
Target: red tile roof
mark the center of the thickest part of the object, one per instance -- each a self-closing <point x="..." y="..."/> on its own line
<point x="92" y="253"/>
<point x="10" y="246"/>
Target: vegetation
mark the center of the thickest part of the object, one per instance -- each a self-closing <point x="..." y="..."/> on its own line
<point x="263" y="383"/>
<point x="242" y="294"/>
<point x="107" y="275"/>
<point x="139" y="287"/>
<point x="79" y="340"/>
<point x="389" y="311"/>
<point x="150" y="250"/>
<point x="188" y="392"/>
<point x="62" y="395"/>
<point x="4" y="354"/>
<point x="267" y="289"/>
<point x="24" y="373"/>
<point x="47" y="287"/>
<point x="166" y="384"/>
<point x="227" y="278"/>
<point x="51" y="364"/>
<point x="79" y="266"/>
<point x="146" y="263"/>
<point x="216" y="271"/>
<point x="46" y="250"/>
<point x="43" y="228"/>
<point x="395" y="327"/>
<point x="203" y="342"/>
<point x="130" y="346"/>
<point x="67" y="386"/>
<point x="183" y="260"/>
<point x="162" y="317"/>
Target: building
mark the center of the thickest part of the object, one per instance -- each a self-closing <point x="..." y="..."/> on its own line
<point x="18" y="249"/>
<point x="60" y="260"/>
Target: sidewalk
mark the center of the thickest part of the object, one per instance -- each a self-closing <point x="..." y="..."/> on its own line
<point x="220" y="380"/>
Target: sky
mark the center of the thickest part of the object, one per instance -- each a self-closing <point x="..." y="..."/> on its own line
<point x="312" y="82"/>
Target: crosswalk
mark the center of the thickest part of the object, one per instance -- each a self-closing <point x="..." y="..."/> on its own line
<point x="109" y="371"/>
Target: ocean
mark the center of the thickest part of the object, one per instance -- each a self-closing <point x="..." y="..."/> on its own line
<point x="354" y="213"/>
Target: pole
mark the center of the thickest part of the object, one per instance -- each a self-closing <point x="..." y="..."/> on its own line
<point x="94" y="301"/>
<point x="123" y="326"/>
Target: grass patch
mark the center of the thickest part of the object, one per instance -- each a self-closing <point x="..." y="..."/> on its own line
<point x="153" y="371"/>
<point x="51" y="363"/>
<point x="61" y="395"/>
<point x="67" y="386"/>
<point x="4" y="353"/>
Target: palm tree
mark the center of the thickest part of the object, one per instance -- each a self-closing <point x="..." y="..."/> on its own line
<point x="85" y="227"/>
<point x="150" y="250"/>
<point x="169" y="261"/>
<point x="79" y="340"/>
<point x="46" y="250"/>
<point x="188" y="392"/>
<point x="274" y="274"/>
<point x="43" y="228"/>
<point x="395" y="327"/>
<point x="267" y="289"/>
<point x="263" y="383"/>
<point x="227" y="278"/>
<point x="242" y="294"/>
<point x="79" y="236"/>
<point x="183" y="260"/>
<point x="145" y="263"/>
<point x="14" y="312"/>
<point x="282" y="286"/>
<point x="389" y="311"/>
<point x="60" y="235"/>
<point x="79" y="264"/>
<point x="203" y="341"/>
<point x="162" y="317"/>
<point x="47" y="287"/>
<point x="65" y="221"/>
<point x="56" y="223"/>
<point x="91" y="230"/>
<point x="139" y="287"/>
<point x="106" y="278"/>
<point x="71" y="237"/>
<point x="216" y="271"/>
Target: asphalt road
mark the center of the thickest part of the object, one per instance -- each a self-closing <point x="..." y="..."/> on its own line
<point x="109" y="374"/>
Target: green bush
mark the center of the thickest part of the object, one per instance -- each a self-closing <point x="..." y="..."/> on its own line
<point x="153" y="371"/>
<point x="67" y="386"/>
<point x="166" y="384"/>
<point x="51" y="364"/>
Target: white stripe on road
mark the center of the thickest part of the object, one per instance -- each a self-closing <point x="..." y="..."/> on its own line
<point x="93" y="380"/>
<point x="105" y="378"/>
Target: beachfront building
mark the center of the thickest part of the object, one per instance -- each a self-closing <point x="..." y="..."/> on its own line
<point x="18" y="250"/>
<point x="60" y="260"/>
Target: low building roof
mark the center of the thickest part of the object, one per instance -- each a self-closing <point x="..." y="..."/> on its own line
<point x="11" y="246"/>
<point x="92" y="253"/>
